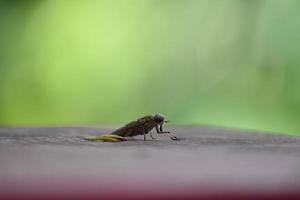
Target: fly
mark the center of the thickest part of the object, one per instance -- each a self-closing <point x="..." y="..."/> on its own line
<point x="141" y="126"/>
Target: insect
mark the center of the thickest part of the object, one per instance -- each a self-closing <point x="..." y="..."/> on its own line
<point x="141" y="126"/>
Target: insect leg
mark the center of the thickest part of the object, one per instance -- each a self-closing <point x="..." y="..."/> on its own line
<point x="159" y="131"/>
<point x="144" y="134"/>
<point x="173" y="137"/>
<point x="156" y="128"/>
<point x="153" y="138"/>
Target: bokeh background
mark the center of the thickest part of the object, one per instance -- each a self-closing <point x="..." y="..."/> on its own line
<point x="232" y="63"/>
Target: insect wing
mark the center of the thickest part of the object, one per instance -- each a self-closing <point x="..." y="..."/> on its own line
<point x="126" y="130"/>
<point x="133" y="128"/>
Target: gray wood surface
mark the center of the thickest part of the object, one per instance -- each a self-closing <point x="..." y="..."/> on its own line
<point x="204" y="155"/>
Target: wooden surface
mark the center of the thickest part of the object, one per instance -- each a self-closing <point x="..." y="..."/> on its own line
<point x="36" y="162"/>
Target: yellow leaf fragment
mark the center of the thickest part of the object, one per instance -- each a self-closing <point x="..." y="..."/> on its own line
<point x="106" y="138"/>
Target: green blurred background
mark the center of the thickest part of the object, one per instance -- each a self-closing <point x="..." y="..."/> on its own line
<point x="232" y="63"/>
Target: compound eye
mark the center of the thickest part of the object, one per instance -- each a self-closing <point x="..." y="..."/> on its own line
<point x="158" y="118"/>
